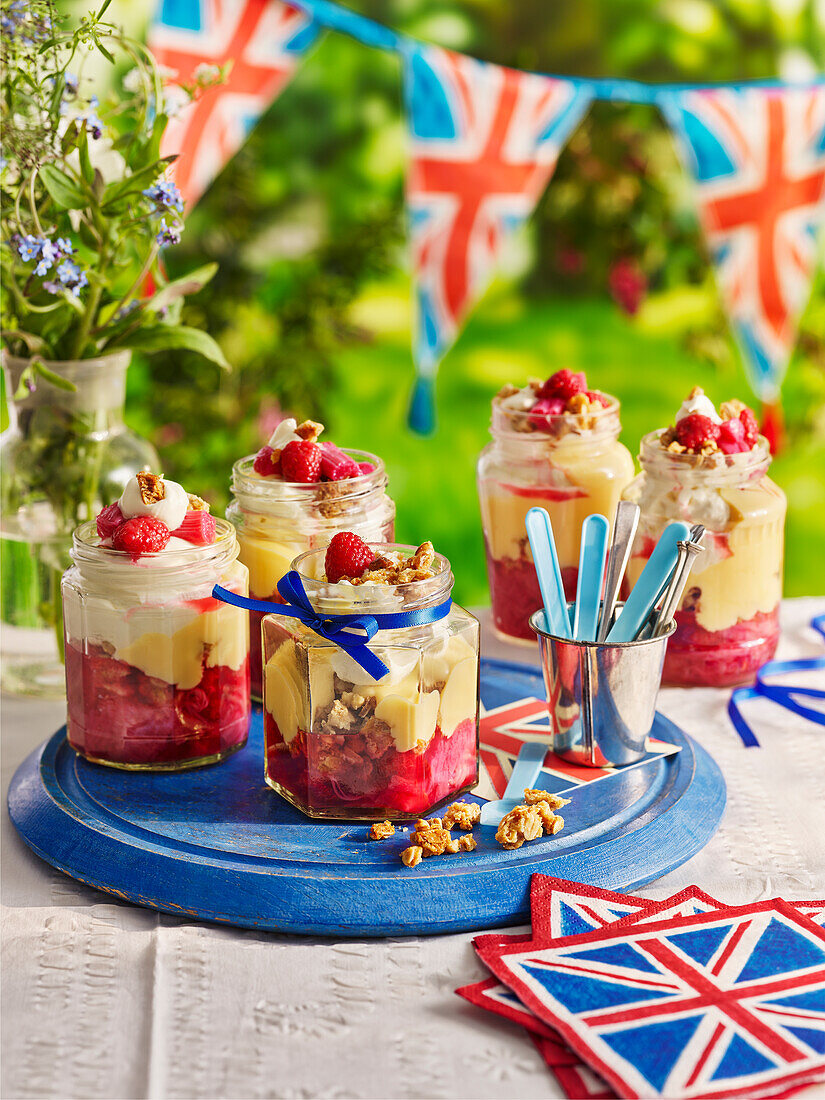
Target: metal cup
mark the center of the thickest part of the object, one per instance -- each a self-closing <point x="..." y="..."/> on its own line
<point x="601" y="696"/>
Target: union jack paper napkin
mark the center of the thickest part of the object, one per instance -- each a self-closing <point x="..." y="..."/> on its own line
<point x="622" y="983"/>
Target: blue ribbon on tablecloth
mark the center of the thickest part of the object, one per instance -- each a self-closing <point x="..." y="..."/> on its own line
<point x="779" y="693"/>
<point x="350" y="632"/>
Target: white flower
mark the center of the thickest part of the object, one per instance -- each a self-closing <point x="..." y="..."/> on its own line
<point x="174" y="100"/>
<point x="133" y="80"/>
<point x="206" y="73"/>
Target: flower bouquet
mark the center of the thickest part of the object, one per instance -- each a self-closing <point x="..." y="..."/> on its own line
<point x="86" y="210"/>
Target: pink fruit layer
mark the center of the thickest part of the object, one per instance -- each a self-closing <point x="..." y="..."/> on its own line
<point x="352" y="775"/>
<point x="119" y="714"/>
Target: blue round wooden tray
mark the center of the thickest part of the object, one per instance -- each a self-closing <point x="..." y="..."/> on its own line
<point x="219" y="845"/>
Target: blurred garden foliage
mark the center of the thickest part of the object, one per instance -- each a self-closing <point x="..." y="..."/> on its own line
<point x="311" y="301"/>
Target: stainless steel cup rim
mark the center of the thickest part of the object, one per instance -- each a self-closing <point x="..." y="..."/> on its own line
<point x="536" y="626"/>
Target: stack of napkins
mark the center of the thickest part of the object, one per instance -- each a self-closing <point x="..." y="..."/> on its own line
<point x="685" y="997"/>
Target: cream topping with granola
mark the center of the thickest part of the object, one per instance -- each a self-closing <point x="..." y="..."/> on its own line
<point x="709" y="468"/>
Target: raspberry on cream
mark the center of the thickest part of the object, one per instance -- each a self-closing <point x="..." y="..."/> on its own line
<point x="155" y="514"/>
<point x="555" y="446"/>
<point x="712" y="469"/>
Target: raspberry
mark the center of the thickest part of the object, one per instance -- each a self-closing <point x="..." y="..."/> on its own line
<point x="197" y="528"/>
<point x="694" y="431"/>
<point x="564" y="383"/>
<point x="732" y="437"/>
<point x="109" y="520"/>
<point x="366" y="467"/>
<point x="266" y="464"/>
<point x="751" y="427"/>
<point x="543" y="410"/>
<point x="336" y="465"/>
<point x="301" y="461"/>
<point x="347" y="556"/>
<point x="595" y="395"/>
<point x="141" y="535"/>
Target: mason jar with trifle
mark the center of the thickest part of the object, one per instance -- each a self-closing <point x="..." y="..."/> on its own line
<point x="710" y="468"/>
<point x="157" y="669"/>
<point x="292" y="497"/>
<point x="347" y="742"/>
<point x="555" y="446"/>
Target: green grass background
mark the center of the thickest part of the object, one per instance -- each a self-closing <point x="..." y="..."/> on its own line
<point x="509" y="339"/>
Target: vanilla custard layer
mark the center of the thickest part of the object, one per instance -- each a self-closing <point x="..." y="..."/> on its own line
<point x="268" y="552"/>
<point x="167" y="642"/>
<point x="599" y="476"/>
<point x="736" y="587"/>
<point x="407" y="700"/>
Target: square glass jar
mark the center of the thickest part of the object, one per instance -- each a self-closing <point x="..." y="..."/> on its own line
<point x="342" y="745"/>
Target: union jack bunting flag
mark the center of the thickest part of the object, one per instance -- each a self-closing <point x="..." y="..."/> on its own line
<point x="758" y="160"/>
<point x="263" y="39"/>
<point x="484" y="141"/>
<point x="503" y="730"/>
<point x="719" y="1004"/>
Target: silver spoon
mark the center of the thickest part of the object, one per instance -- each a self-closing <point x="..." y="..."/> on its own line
<point x="673" y="596"/>
<point x="625" y="523"/>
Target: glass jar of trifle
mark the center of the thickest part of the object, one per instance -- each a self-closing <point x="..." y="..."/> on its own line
<point x="712" y="469"/>
<point x="555" y="446"/>
<point x="157" y="670"/>
<point x="292" y="497"/>
<point x="344" y="742"/>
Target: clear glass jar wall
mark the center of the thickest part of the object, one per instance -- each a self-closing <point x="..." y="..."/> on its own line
<point x="278" y="520"/>
<point x="340" y="744"/>
<point x="728" y="622"/>
<point x="65" y="454"/>
<point x="157" y="671"/>
<point x="575" y="468"/>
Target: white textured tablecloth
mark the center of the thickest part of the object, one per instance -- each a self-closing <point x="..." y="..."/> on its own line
<point x="102" y="999"/>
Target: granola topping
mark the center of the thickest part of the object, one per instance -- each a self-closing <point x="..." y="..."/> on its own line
<point x="531" y="820"/>
<point x="382" y="830"/>
<point x="151" y="487"/>
<point x="462" y="815"/>
<point x="411" y="856"/>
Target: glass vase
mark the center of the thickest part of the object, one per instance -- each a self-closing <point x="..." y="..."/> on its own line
<point x="65" y="454"/>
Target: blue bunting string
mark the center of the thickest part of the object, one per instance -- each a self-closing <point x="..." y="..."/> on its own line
<point x="349" y="632"/>
<point x="332" y="15"/>
<point x="778" y="693"/>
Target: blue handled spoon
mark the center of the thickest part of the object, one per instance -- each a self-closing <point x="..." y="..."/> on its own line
<point x="592" y="556"/>
<point x="650" y="585"/>
<point x="525" y="772"/>
<point x="546" y="561"/>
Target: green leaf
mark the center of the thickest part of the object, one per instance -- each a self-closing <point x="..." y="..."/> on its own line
<point x="98" y="184"/>
<point x="179" y="288"/>
<point x="85" y="162"/>
<point x="47" y="375"/>
<point x="151" y="338"/>
<point x="109" y="57"/>
<point x="69" y="138"/>
<point x="153" y="145"/>
<point x="62" y="188"/>
<point x="33" y="343"/>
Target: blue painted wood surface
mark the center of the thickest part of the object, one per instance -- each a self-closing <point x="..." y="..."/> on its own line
<point x="218" y="844"/>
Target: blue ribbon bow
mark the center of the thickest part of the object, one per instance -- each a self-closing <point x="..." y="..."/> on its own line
<point x="779" y="693"/>
<point x="350" y="632"/>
